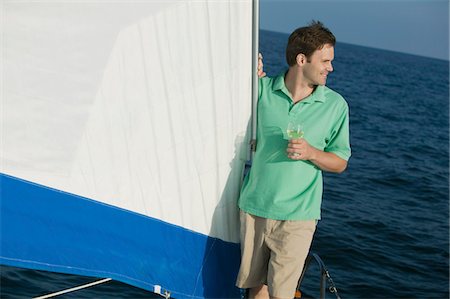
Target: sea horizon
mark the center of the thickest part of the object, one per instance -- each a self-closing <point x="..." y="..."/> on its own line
<point x="375" y="48"/>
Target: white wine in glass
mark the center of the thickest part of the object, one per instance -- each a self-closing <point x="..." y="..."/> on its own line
<point x="294" y="130"/>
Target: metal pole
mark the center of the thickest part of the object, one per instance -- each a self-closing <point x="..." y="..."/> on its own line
<point x="255" y="52"/>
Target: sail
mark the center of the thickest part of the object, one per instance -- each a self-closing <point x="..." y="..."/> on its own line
<point x="124" y="135"/>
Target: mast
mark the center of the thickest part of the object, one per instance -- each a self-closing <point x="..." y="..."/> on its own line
<point x="255" y="52"/>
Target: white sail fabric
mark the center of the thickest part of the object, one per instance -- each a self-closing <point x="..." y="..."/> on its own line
<point x="141" y="105"/>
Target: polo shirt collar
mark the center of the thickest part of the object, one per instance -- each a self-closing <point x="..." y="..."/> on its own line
<point x="317" y="96"/>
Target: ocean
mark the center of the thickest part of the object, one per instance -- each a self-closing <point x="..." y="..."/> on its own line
<point x="384" y="231"/>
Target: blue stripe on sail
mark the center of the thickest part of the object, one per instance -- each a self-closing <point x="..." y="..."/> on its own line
<point x="46" y="229"/>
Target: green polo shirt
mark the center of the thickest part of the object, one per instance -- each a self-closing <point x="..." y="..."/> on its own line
<point x="278" y="187"/>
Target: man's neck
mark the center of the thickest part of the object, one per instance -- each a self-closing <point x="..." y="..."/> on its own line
<point x="297" y="85"/>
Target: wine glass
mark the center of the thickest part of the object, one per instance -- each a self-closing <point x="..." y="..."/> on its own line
<point x="294" y="130"/>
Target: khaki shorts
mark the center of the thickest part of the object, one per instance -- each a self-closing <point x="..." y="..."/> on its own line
<point x="273" y="253"/>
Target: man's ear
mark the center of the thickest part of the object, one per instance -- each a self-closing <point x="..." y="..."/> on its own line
<point x="301" y="59"/>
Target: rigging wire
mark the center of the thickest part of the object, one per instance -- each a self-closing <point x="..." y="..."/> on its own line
<point x="73" y="289"/>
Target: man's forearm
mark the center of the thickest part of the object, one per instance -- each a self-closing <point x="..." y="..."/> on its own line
<point x="328" y="161"/>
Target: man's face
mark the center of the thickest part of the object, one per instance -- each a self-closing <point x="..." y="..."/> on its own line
<point x="319" y="66"/>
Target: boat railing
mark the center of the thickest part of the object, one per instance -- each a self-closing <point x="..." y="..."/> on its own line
<point x="325" y="278"/>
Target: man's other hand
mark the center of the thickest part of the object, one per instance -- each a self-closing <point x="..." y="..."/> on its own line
<point x="261" y="72"/>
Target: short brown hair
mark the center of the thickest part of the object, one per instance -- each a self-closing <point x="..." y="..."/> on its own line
<point x="306" y="40"/>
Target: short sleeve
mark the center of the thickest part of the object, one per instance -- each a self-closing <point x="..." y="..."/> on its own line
<point x="339" y="141"/>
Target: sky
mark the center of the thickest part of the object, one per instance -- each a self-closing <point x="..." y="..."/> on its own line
<point x="418" y="27"/>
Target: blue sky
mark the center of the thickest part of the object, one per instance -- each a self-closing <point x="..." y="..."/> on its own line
<point x="411" y="26"/>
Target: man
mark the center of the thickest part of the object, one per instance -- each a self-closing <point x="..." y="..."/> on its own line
<point x="281" y="197"/>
